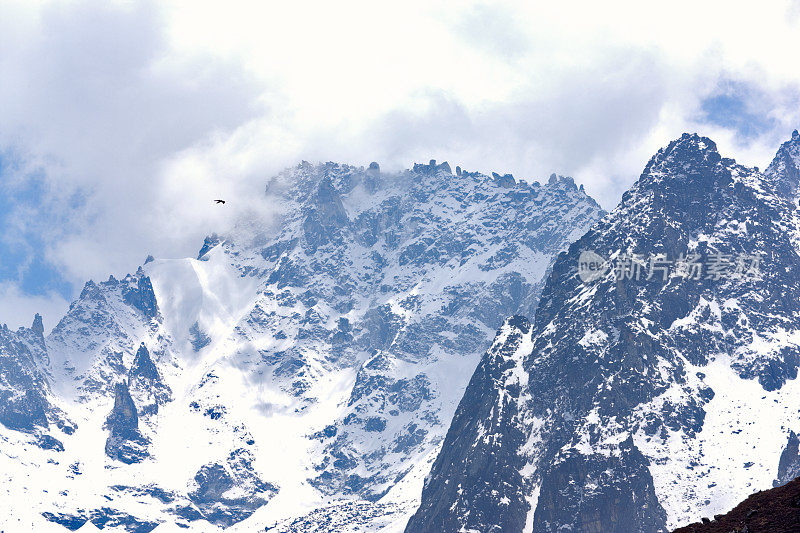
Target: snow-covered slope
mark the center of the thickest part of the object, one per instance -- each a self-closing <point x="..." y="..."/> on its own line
<point x="654" y="398"/>
<point x="296" y="377"/>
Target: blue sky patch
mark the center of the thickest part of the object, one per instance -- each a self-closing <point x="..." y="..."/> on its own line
<point x="22" y="257"/>
<point x="738" y="106"/>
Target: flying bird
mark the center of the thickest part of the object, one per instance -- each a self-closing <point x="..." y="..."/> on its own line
<point x="219" y="201"/>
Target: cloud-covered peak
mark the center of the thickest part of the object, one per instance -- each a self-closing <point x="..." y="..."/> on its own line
<point x="133" y="117"/>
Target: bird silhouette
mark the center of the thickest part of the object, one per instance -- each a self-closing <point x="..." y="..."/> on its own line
<point x="219" y="201"/>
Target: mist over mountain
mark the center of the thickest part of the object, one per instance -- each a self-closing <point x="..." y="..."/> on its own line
<point x="330" y="372"/>
<point x="296" y="376"/>
<point x="237" y="294"/>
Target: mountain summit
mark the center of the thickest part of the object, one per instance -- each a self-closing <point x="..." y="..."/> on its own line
<point x="657" y="392"/>
<point x="293" y="376"/>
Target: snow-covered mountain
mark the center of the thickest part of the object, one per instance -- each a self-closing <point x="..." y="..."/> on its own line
<point x="657" y="382"/>
<point x="299" y="377"/>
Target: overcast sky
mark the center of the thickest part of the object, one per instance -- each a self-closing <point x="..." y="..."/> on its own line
<point x="120" y="121"/>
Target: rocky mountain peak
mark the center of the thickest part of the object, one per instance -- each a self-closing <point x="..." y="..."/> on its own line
<point x="433" y="168"/>
<point x="38" y="326"/>
<point x="125" y="442"/>
<point x="558" y="179"/>
<point x="784" y="170"/>
<point x="376" y="292"/>
<point x="143" y="366"/>
<point x="24" y="390"/>
<point x="627" y="377"/>
<point x="689" y="166"/>
<point x="123" y="418"/>
<point x="329" y="202"/>
<point x="506" y="180"/>
<point x="208" y="243"/>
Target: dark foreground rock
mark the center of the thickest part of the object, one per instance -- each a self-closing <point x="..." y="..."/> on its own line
<point x="771" y="511"/>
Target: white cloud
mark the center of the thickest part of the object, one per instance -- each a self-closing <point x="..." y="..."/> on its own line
<point x="17" y="309"/>
<point x="139" y="113"/>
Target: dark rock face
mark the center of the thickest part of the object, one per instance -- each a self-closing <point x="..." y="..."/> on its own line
<point x="228" y="492"/>
<point x="38" y="326"/>
<point x="23" y="412"/>
<point x="24" y="404"/>
<point x="125" y="443"/>
<point x="475" y="484"/>
<point x="210" y="242"/>
<point x="143" y="366"/>
<point x="785" y="168"/>
<point x="324" y="216"/>
<point x="123" y="419"/>
<point x="198" y="337"/>
<point x="146" y="384"/>
<point x="612" y="360"/>
<point x="789" y="465"/>
<point x="599" y="494"/>
<point x="141" y="295"/>
<point x="47" y="442"/>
